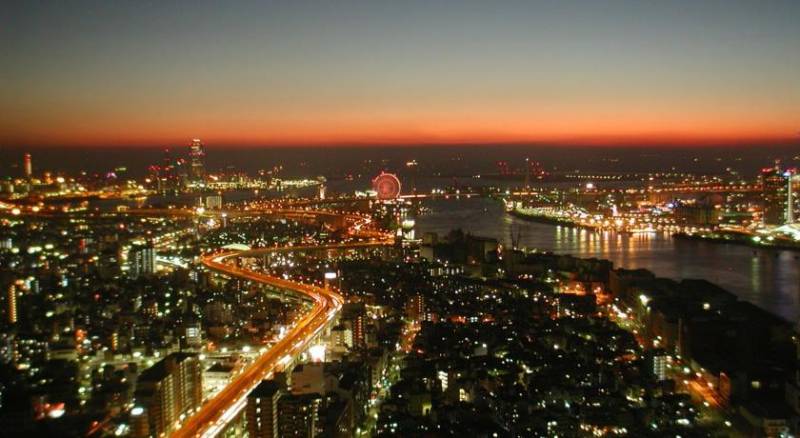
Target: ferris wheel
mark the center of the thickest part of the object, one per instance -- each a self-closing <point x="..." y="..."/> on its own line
<point x="387" y="186"/>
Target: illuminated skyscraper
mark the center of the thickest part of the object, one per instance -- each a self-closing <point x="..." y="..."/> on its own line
<point x="142" y="260"/>
<point x="773" y="195"/>
<point x="354" y="317"/>
<point x="27" y="165"/>
<point x="193" y="334"/>
<point x="167" y="177"/>
<point x="197" y="171"/>
<point x="657" y="362"/>
<point x="791" y="202"/>
<point x="11" y="304"/>
<point x="322" y="188"/>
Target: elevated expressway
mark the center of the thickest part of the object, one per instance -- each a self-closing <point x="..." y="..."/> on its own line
<point x="213" y="417"/>
<point x="215" y="414"/>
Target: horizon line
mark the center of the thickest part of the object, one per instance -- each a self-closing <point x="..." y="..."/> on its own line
<point x="605" y="142"/>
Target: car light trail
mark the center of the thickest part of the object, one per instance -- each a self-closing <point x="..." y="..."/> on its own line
<point x="213" y="417"/>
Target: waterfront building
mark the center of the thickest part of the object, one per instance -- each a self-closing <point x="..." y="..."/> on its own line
<point x="27" y="166"/>
<point x="701" y="214"/>
<point x="214" y="202"/>
<point x="773" y="196"/>
<point x="197" y="171"/>
<point x="322" y="188"/>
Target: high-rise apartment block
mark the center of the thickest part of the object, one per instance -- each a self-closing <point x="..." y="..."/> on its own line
<point x="142" y="260"/>
<point x="262" y="410"/>
<point x="164" y="392"/>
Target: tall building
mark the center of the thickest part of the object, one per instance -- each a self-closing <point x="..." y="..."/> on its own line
<point x="271" y="412"/>
<point x="11" y="304"/>
<point x="415" y="307"/>
<point x="791" y="198"/>
<point x="214" y="202"/>
<point x="657" y="362"/>
<point x="342" y="336"/>
<point x="197" y="171"/>
<point x="354" y="317"/>
<point x="298" y="415"/>
<point x="262" y="410"/>
<point x="701" y="213"/>
<point x="170" y="388"/>
<point x="142" y="260"/>
<point x="322" y="188"/>
<point x="193" y="334"/>
<point x="773" y="195"/>
<point x="27" y="165"/>
<point x="533" y="170"/>
<point x="168" y="179"/>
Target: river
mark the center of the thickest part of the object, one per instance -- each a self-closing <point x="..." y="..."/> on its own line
<point x="768" y="278"/>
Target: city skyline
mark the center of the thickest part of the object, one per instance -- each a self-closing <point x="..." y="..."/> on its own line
<point x="361" y="219"/>
<point x="261" y="74"/>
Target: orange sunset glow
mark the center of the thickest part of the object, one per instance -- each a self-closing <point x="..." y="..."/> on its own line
<point x="385" y="74"/>
<point x="401" y="128"/>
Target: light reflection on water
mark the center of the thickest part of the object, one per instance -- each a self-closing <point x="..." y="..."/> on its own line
<point x="767" y="278"/>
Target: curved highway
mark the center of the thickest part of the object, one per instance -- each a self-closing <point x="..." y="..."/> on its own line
<point x="213" y="416"/>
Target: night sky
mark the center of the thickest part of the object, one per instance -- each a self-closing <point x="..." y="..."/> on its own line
<point x="336" y="72"/>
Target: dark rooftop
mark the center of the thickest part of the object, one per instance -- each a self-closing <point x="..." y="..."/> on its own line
<point x="267" y="388"/>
